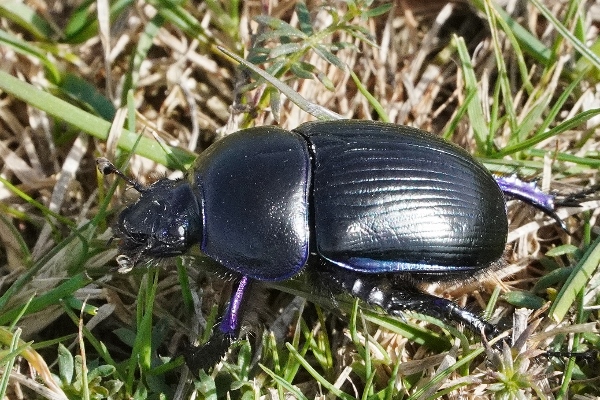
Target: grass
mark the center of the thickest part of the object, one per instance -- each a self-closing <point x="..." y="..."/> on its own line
<point x="517" y="88"/>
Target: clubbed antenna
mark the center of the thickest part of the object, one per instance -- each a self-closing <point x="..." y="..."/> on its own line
<point x="107" y="168"/>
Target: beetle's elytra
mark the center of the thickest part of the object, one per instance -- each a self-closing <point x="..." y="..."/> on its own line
<point x="376" y="206"/>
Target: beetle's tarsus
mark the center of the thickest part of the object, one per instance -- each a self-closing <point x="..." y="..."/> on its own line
<point x="212" y="352"/>
<point x="575" y="199"/>
<point x="206" y="356"/>
<point x="587" y="357"/>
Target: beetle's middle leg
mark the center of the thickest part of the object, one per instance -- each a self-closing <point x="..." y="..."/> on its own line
<point x="212" y="352"/>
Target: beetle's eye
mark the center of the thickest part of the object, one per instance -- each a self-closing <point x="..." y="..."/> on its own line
<point x="173" y="234"/>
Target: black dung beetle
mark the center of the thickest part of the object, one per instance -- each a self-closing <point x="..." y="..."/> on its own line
<point x="376" y="208"/>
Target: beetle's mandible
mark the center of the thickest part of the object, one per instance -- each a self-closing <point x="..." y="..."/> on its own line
<point x="377" y="207"/>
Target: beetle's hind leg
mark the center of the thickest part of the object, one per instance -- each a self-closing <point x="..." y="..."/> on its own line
<point x="529" y="193"/>
<point x="207" y="355"/>
<point x="412" y="299"/>
<point x="396" y="295"/>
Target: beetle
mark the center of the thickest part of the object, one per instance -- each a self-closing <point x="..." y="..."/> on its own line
<point x="376" y="208"/>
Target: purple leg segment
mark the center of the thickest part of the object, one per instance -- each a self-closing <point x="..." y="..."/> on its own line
<point x="212" y="352"/>
<point x="231" y="320"/>
<point x="526" y="191"/>
<point x="529" y="193"/>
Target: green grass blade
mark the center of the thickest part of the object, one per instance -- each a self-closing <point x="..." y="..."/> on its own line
<point x="576" y="43"/>
<point x="281" y="382"/>
<point x="315" y="374"/>
<point x="22" y="15"/>
<point x="139" y="54"/>
<point x="530" y="44"/>
<point x="577" y="280"/>
<point x="52" y="297"/>
<point x="311" y="108"/>
<point x="474" y="108"/>
<point x="84" y="22"/>
<point x="560" y="128"/>
<point x="370" y="98"/>
<point x="89" y="123"/>
<point x="27" y="49"/>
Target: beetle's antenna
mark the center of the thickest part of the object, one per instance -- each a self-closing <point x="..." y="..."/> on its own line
<point x="107" y="168"/>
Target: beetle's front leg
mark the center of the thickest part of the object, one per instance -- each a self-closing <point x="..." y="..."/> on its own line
<point x="212" y="352"/>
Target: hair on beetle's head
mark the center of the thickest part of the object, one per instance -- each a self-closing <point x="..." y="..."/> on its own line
<point x="165" y="221"/>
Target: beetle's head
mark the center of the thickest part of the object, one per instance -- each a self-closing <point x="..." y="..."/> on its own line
<point x="165" y="221"/>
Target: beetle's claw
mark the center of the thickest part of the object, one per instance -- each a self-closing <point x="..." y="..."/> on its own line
<point x="552" y="214"/>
